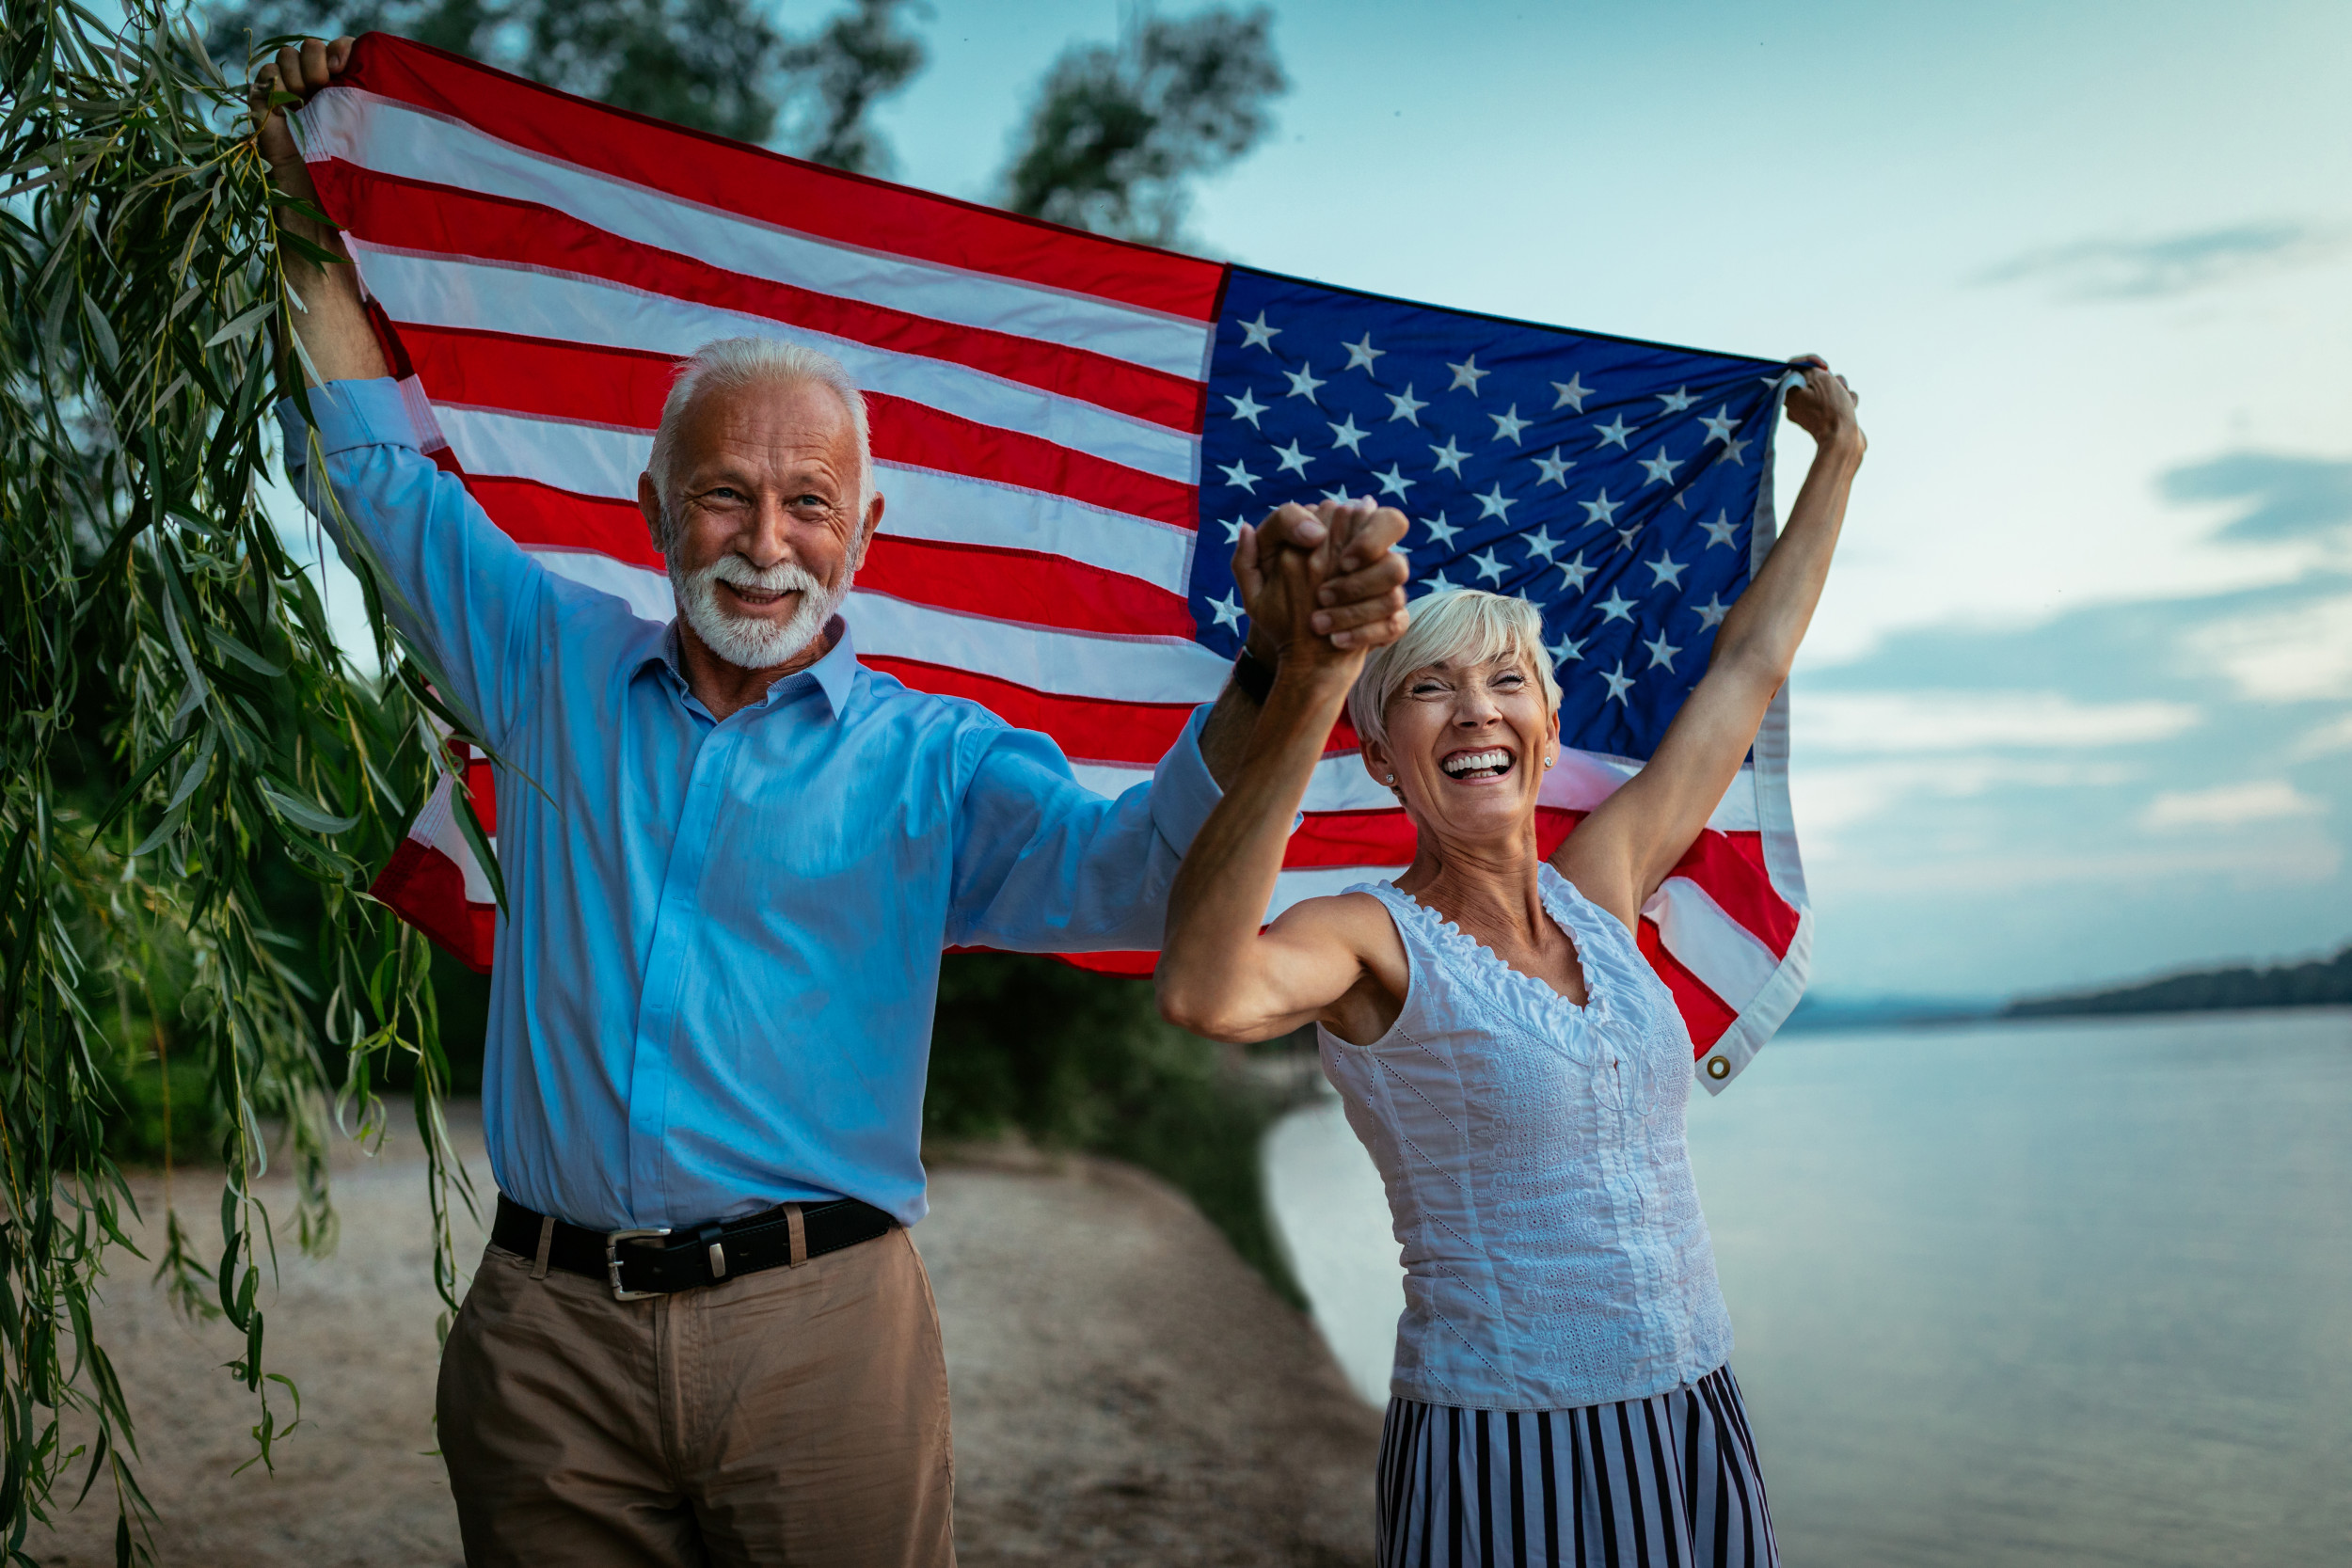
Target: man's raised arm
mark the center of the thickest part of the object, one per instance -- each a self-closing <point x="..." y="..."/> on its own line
<point x="465" y="597"/>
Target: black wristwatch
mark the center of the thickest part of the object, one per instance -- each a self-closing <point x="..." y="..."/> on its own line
<point x="1252" y="676"/>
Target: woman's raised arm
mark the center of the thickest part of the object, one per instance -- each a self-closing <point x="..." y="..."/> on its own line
<point x="1626" y="847"/>
<point x="1218" y="975"/>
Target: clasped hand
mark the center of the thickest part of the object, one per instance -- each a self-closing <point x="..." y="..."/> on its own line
<point x="1324" y="583"/>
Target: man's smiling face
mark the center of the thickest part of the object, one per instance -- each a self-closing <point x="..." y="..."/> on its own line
<point x="765" y="526"/>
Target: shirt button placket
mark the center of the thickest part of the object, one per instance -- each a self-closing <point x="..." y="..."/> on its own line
<point x="676" y="920"/>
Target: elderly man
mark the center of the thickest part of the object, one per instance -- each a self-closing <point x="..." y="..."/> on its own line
<point x="732" y="856"/>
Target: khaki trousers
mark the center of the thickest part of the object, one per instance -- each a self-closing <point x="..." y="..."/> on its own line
<point x="797" y="1416"/>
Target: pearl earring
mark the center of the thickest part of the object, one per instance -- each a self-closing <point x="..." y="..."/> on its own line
<point x="1391" y="778"/>
<point x="1548" y="761"/>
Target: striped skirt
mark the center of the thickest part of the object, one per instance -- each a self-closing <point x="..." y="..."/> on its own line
<point x="1668" y="1482"/>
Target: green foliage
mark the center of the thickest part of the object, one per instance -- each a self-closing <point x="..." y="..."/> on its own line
<point x="1084" y="1061"/>
<point x="716" y="65"/>
<point x="177" y="733"/>
<point x="1118" y="132"/>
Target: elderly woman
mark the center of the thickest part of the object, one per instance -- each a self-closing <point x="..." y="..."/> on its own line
<point x="1560" y="1392"/>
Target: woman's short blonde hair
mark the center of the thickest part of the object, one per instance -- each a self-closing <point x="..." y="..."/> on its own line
<point x="1457" y="626"/>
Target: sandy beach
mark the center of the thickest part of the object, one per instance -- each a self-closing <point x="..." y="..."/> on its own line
<point x="1127" y="1391"/>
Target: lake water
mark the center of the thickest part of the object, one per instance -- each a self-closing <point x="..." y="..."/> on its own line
<point x="2017" y="1295"/>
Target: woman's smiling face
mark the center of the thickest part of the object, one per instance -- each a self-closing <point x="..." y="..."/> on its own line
<point x="1469" y="744"/>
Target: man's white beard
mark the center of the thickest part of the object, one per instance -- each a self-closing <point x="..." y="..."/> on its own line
<point x="740" y="640"/>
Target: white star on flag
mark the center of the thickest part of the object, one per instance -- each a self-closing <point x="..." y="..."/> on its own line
<point x="1572" y="393"/>
<point x="1555" y="468"/>
<point x="1227" y="610"/>
<point x="1237" y="474"/>
<point x="1489" y="564"/>
<point x="1616" y="607"/>
<point x="1448" y="457"/>
<point x="1576" y="572"/>
<point x="1711" y="613"/>
<point x="1440" y="532"/>
<point x="1615" y="433"/>
<point x="1494" y="503"/>
<point x="1628" y="539"/>
<point x="1719" y="424"/>
<point x="1677" y="399"/>
<point x="1601" y="511"/>
<point x="1233" y="527"/>
<point x="1661" y="651"/>
<point x="1303" y="383"/>
<point x="1394" y="483"/>
<point x="1564" y="650"/>
<point x="1360" y="356"/>
<point x="1257" y="334"/>
<point x="1723" y="531"/>
<point x="1660" y="468"/>
<point x="1291" y="460"/>
<point x="1619" y="683"/>
<point x="1245" y="407"/>
<point x="1406" y="406"/>
<point x="1665" y="570"/>
<point x="1540" y="542"/>
<point x="1509" y="424"/>
<point x="1466" y="373"/>
<point x="1344" y="434"/>
<point x="1734" y="450"/>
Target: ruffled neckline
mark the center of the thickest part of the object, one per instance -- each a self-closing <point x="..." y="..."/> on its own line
<point x="1556" y="892"/>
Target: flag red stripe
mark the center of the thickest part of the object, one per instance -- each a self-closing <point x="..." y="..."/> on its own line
<point x="626" y="388"/>
<point x="445" y="221"/>
<point x="529" y="512"/>
<point x="767" y="187"/>
<point x="1707" y="1014"/>
<point x="1026" y="586"/>
<point x="1134" y="735"/>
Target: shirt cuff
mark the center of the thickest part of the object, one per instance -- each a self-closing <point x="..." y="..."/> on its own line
<point x="379" y="413"/>
<point x="1182" y="792"/>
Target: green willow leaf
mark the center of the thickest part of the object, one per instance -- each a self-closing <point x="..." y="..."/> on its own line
<point x="171" y="693"/>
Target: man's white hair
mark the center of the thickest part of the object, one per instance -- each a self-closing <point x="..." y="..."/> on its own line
<point x="732" y="364"/>
<point x="1457" y="626"/>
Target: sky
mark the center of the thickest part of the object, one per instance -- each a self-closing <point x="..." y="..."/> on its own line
<point x="2077" y="707"/>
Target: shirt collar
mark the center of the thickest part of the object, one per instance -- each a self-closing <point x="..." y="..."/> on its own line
<point x="835" y="673"/>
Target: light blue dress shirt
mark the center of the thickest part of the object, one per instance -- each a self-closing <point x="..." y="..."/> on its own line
<point x="716" y="967"/>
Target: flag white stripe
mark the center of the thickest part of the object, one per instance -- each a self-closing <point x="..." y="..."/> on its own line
<point x="957" y="509"/>
<point x="399" y="139"/>
<point x="491" y="296"/>
<point x="923" y="503"/>
<point x="1728" y="958"/>
<point x="1067" y="663"/>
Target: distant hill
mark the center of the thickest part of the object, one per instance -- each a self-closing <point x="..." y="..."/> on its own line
<point x="2318" y="983"/>
<point x="1813" y="1013"/>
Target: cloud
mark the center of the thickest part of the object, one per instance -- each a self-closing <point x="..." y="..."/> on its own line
<point x="2288" y="654"/>
<point x="2161" y="268"/>
<point x="2326" y="740"/>
<point x="1915" y="721"/>
<point x="2284" y="498"/>
<point x="2231" y="805"/>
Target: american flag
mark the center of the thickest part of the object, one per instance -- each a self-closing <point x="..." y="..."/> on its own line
<point x="1070" y="431"/>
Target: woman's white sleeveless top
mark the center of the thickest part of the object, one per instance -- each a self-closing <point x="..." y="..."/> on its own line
<point x="1534" y="1153"/>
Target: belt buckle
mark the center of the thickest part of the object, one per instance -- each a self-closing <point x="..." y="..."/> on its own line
<point x="612" y="1240"/>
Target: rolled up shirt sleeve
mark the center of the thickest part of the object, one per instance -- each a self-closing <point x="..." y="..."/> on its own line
<point x="1044" y="864"/>
<point x="463" y="594"/>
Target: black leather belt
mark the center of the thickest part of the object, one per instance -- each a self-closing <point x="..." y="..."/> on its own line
<point x="660" y="1261"/>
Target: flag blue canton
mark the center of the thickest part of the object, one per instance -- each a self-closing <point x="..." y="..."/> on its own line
<point x="1615" y="484"/>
